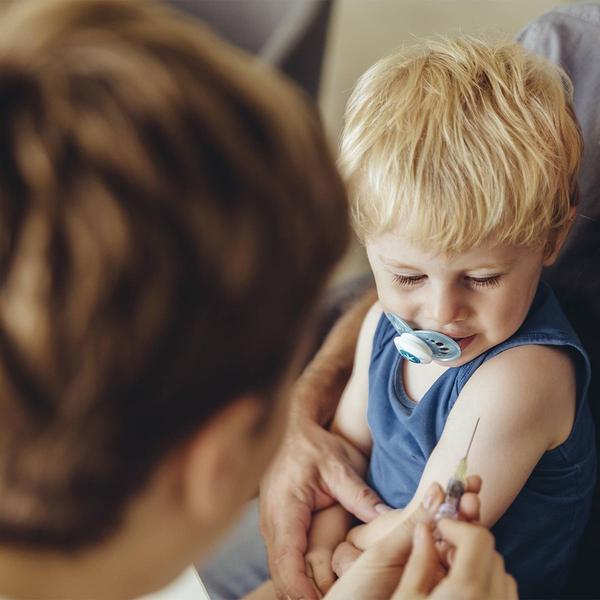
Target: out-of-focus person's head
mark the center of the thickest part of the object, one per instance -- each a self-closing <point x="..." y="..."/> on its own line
<point x="169" y="213"/>
<point x="460" y="142"/>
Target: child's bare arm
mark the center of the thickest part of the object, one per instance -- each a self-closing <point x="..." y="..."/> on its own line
<point x="329" y="529"/>
<point x="350" y="421"/>
<point x="525" y="398"/>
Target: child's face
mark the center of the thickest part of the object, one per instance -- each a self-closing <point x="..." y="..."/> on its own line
<point x="479" y="297"/>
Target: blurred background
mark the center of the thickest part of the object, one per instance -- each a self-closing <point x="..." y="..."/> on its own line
<point x="325" y="45"/>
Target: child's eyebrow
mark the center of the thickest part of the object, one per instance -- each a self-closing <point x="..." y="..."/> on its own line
<point x="397" y="265"/>
<point x="499" y="266"/>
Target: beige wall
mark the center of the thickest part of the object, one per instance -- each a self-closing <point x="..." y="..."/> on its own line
<point x="364" y="30"/>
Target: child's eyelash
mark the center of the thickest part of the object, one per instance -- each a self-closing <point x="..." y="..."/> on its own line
<point x="407" y="279"/>
<point x="492" y="281"/>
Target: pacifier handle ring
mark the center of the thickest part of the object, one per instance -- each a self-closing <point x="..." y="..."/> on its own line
<point x="413" y="348"/>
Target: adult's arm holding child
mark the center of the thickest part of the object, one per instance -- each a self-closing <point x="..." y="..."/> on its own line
<point x="313" y="470"/>
<point x="330" y="526"/>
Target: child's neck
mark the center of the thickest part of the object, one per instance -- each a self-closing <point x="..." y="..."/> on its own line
<point x="418" y="379"/>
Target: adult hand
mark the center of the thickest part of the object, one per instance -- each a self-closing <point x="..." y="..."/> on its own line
<point x="376" y="573"/>
<point x="313" y="468"/>
<point x="312" y="471"/>
<point x="406" y="564"/>
<point x="346" y="553"/>
<point x="476" y="569"/>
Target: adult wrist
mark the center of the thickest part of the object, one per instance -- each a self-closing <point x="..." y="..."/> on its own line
<point x="317" y="392"/>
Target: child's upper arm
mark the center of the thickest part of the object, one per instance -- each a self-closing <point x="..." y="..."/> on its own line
<point x="525" y="398"/>
<point x="350" y="419"/>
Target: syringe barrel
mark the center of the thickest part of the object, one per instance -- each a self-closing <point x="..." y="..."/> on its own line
<point x="449" y="508"/>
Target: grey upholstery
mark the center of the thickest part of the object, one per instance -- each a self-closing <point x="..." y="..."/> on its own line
<point x="290" y="34"/>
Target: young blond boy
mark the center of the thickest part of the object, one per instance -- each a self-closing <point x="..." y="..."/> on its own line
<point x="169" y="212"/>
<point x="461" y="158"/>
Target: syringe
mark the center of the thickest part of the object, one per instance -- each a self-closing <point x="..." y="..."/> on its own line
<point x="456" y="486"/>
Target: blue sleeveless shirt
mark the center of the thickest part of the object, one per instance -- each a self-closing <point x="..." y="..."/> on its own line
<point x="539" y="532"/>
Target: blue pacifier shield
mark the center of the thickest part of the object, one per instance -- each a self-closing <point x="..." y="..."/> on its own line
<point x="442" y="347"/>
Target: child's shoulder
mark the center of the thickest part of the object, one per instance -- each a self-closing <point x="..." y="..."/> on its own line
<point x="372" y="319"/>
<point x="534" y="366"/>
<point x="530" y="383"/>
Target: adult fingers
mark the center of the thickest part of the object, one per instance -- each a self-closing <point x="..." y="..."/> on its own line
<point x="470" y="507"/>
<point x="474" y="550"/>
<point x="376" y="573"/>
<point x="473" y="484"/>
<point x="343" y="557"/>
<point x="502" y="586"/>
<point x="398" y="543"/>
<point x="354" y="494"/>
<point x="423" y="570"/>
<point x="433" y="498"/>
<point x="318" y="562"/>
<point x="286" y="543"/>
<point x="512" y="591"/>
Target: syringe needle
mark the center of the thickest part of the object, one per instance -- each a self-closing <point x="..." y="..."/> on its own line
<point x="456" y="485"/>
<point x="472" y="436"/>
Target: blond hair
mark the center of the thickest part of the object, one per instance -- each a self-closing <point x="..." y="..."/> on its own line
<point x="459" y="142"/>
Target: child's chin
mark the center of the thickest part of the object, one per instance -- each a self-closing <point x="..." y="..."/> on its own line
<point x="470" y="351"/>
<point x="464" y="358"/>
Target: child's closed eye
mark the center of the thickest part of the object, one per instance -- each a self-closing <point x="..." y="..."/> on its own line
<point x="408" y="280"/>
<point x="491" y="281"/>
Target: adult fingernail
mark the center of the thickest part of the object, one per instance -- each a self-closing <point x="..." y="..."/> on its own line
<point x="419" y="534"/>
<point x="382" y="508"/>
<point x="429" y="498"/>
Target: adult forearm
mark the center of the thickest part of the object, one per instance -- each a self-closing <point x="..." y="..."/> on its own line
<point x="319" y="388"/>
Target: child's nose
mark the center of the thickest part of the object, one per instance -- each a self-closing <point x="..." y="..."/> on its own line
<point x="446" y="307"/>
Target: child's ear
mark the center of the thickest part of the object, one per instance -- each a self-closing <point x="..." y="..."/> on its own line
<point x="218" y="474"/>
<point x="554" y="246"/>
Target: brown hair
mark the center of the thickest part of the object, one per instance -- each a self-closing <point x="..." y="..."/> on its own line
<point x="169" y="211"/>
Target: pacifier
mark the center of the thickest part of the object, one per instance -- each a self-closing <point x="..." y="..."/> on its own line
<point x="421" y="346"/>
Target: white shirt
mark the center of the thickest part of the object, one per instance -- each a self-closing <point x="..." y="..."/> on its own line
<point x="188" y="586"/>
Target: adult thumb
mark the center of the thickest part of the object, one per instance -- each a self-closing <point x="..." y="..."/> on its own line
<point x="357" y="497"/>
<point x="423" y="570"/>
<point x="376" y="573"/>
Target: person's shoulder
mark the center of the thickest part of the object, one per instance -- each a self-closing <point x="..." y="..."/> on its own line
<point x="371" y="322"/>
<point x="375" y="313"/>
<point x="368" y="331"/>
<point x="529" y="365"/>
<point x="531" y="383"/>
